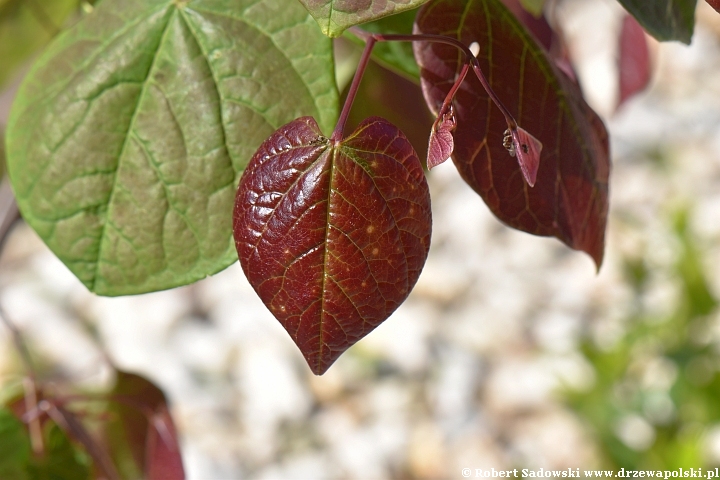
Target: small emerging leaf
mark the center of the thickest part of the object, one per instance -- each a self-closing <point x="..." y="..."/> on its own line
<point x="440" y="145"/>
<point x="664" y="19"/>
<point x="334" y="16"/>
<point x="527" y="149"/>
<point x="332" y="237"/>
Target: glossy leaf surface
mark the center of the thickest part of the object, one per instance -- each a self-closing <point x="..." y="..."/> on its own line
<point x="634" y="60"/>
<point x="127" y="138"/>
<point x="334" y="16"/>
<point x="664" y="19"/>
<point x="332" y="237"/>
<point x="570" y="196"/>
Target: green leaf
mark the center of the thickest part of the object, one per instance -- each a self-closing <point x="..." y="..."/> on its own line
<point x="127" y="138"/>
<point x="397" y="56"/>
<point x="14" y="447"/>
<point x="664" y="19"/>
<point x="334" y="16"/>
<point x="61" y="460"/>
<point x="26" y="27"/>
<point x="533" y="6"/>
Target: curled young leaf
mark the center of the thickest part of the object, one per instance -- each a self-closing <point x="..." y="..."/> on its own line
<point x="570" y="196"/>
<point x="332" y="236"/>
<point x="440" y="145"/>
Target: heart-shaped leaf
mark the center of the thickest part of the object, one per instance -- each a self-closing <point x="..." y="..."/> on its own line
<point x="127" y="138"/>
<point x="331" y="236"/>
<point x="334" y="16"/>
<point x="664" y="19"/>
<point x="569" y="199"/>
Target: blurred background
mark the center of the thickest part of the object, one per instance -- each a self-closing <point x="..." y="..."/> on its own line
<point x="511" y="352"/>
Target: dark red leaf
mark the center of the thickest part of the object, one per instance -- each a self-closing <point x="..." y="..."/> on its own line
<point x="570" y="196"/>
<point x="440" y="145"/>
<point x="634" y="60"/>
<point x="143" y="416"/>
<point x="548" y="37"/>
<point x="538" y="26"/>
<point x="163" y="452"/>
<point x="714" y="4"/>
<point x="332" y="237"/>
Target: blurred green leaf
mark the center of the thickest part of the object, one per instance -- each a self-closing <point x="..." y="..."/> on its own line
<point x="664" y="19"/>
<point x="62" y="461"/>
<point x="25" y="27"/>
<point x="533" y="6"/>
<point x="661" y="370"/>
<point x="14" y="447"/>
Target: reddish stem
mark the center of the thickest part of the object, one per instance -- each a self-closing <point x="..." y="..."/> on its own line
<point x="470" y="59"/>
<point x="337" y="134"/>
<point x="451" y="94"/>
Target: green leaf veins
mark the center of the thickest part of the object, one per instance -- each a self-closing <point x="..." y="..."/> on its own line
<point x="128" y="136"/>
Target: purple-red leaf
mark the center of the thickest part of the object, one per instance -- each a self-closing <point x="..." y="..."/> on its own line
<point x="714" y="4"/>
<point x="148" y="427"/>
<point x="440" y="145"/>
<point x="163" y="453"/>
<point x="570" y="196"/>
<point x="634" y="59"/>
<point x="332" y="237"/>
<point x="527" y="149"/>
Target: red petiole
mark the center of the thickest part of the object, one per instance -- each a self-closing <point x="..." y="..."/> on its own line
<point x="525" y="146"/>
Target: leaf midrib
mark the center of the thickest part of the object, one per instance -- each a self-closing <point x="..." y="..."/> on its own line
<point x="126" y="141"/>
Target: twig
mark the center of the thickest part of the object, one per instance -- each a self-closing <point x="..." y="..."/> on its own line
<point x="9" y="213"/>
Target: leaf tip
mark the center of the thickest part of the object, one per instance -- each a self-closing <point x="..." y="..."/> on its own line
<point x="521" y="144"/>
